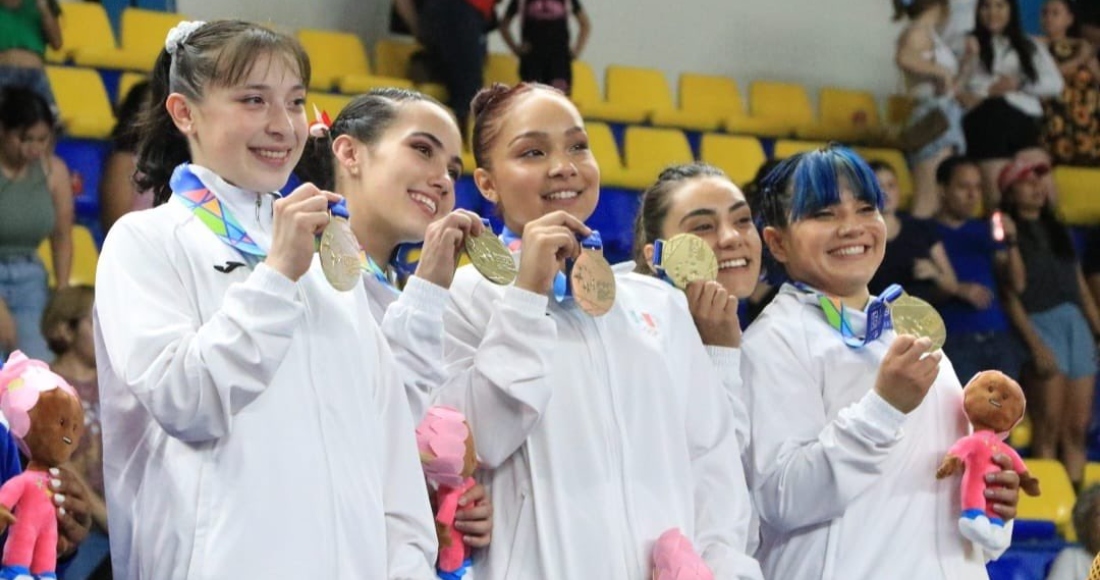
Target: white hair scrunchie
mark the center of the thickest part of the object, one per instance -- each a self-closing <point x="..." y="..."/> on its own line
<point x="180" y="33"/>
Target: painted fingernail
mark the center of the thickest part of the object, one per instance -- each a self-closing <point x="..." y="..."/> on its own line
<point x="56" y="483"/>
<point x="55" y="471"/>
<point x="62" y="511"/>
<point x="989" y="493"/>
<point x="59" y="498"/>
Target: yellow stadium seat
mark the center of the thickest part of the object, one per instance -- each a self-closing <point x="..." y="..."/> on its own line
<point x="85" y="110"/>
<point x="501" y="68"/>
<point x="434" y="90"/>
<point x="1020" y="436"/>
<point x="896" y="160"/>
<point x="126" y="82"/>
<point x="785" y="148"/>
<point x="606" y="152"/>
<point x="89" y="40"/>
<point x="848" y="116"/>
<point x="646" y="92"/>
<point x="785" y="103"/>
<point x="327" y="103"/>
<point x="586" y="95"/>
<point x="143" y="34"/>
<point x="1092" y="474"/>
<point x="1057" y="499"/>
<point x="391" y="57"/>
<point x="740" y="157"/>
<point x="648" y="151"/>
<point x="1077" y="194"/>
<point x="716" y="101"/>
<point x="85" y="258"/>
<point x="898" y="110"/>
<point x="339" y="60"/>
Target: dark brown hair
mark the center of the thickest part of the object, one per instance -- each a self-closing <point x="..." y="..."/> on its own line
<point x="488" y="106"/>
<point x="915" y="8"/>
<point x="67" y="306"/>
<point x="656" y="205"/>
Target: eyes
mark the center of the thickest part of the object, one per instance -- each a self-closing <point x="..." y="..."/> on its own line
<point x="259" y="101"/>
<point x="831" y="212"/>
<point x="540" y="151"/>
<point x="429" y="151"/>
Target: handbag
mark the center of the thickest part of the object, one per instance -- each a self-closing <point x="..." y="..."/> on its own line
<point x="925" y="130"/>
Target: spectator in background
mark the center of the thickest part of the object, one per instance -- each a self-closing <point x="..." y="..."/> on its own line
<point x="1088" y="18"/>
<point x="1071" y="132"/>
<point x="545" y="55"/>
<point x="978" y="333"/>
<point x="118" y="194"/>
<point x="1090" y="262"/>
<point x="1056" y="317"/>
<point x="931" y="73"/>
<point x="914" y="258"/>
<point x="1073" y="561"/>
<point x="36" y="203"/>
<point x="67" y="326"/>
<point x="1007" y="75"/>
<point x="26" y="27"/>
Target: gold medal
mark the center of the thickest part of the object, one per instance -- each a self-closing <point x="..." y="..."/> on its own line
<point x="339" y="251"/>
<point x="687" y="258"/>
<point x="914" y="316"/>
<point x="489" y="256"/>
<point x="593" y="282"/>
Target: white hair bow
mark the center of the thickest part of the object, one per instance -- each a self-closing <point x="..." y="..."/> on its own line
<point x="180" y="33"/>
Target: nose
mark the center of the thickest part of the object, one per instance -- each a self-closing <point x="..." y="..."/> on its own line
<point x="729" y="237"/>
<point x="441" y="180"/>
<point x="563" y="167"/>
<point x="280" y="122"/>
<point x="850" y="226"/>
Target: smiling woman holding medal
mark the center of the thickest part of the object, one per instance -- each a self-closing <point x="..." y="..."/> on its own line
<point x="596" y="413"/>
<point x="850" y="415"/>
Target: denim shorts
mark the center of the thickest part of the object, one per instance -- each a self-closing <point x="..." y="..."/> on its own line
<point x="1066" y="333"/>
<point x="952" y="138"/>
<point x="23" y="288"/>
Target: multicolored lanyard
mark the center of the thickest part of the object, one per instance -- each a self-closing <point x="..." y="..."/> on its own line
<point x="189" y="190"/>
<point x="878" y="314"/>
<point x="562" y="288"/>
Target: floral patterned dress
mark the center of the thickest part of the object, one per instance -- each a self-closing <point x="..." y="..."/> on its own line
<point x="1072" y="123"/>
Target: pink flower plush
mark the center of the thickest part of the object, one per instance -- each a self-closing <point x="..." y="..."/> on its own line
<point x="441" y="438"/>
<point x="674" y="558"/>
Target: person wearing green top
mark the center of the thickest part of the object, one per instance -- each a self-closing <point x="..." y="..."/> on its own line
<point x="26" y="28"/>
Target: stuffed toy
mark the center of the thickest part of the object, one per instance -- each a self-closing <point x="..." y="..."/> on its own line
<point x="674" y="558"/>
<point x="994" y="403"/>
<point x="46" y="418"/>
<point x="447" y="453"/>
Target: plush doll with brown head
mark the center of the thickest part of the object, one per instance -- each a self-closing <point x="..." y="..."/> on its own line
<point x="994" y="403"/>
<point x="447" y="453"/>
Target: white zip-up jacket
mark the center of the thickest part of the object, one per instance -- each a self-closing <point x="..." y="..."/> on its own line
<point x="599" y="434"/>
<point x="845" y="483"/>
<point x="253" y="427"/>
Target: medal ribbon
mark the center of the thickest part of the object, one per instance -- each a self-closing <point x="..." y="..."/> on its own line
<point x="189" y="190"/>
<point x="658" y="261"/>
<point x="878" y="315"/>
<point x="562" y="287"/>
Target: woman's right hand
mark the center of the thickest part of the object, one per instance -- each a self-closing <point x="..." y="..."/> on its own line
<point x="715" y="314"/>
<point x="443" y="244"/>
<point x="907" y="372"/>
<point x="1044" y="361"/>
<point x="9" y="337"/>
<point x="299" y="218"/>
<point x="547" y="243"/>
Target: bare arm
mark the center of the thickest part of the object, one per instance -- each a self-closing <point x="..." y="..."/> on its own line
<point x="50" y="26"/>
<point x="912" y="45"/>
<point x="506" y="34"/>
<point x="406" y="10"/>
<point x="117" y="190"/>
<point x="946" y="281"/>
<point x="585" y="29"/>
<point x="61" y="240"/>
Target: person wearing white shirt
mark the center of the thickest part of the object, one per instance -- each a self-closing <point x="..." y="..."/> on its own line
<point x="253" y="421"/>
<point x="959" y="25"/>
<point x="849" y="421"/>
<point x="1074" y="561"/>
<point x="599" y="434"/>
<point x="1009" y="74"/>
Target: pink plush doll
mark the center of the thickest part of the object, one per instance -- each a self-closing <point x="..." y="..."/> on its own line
<point x="45" y="416"/>
<point x="674" y="558"/>
<point x="994" y="403"/>
<point x="447" y="454"/>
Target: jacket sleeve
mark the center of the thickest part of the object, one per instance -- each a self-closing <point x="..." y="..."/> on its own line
<point x="727" y="362"/>
<point x="191" y="375"/>
<point x="807" y="469"/>
<point x="410" y="531"/>
<point x="723" y="507"/>
<point x="413" y="326"/>
<point x="497" y="352"/>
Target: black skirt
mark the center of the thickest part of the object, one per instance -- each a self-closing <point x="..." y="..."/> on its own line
<point x="997" y="130"/>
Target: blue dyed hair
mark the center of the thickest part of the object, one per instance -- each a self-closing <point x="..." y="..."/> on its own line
<point x="809" y="182"/>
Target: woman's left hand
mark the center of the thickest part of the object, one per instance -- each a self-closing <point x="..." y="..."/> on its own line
<point x="1003" y="488"/>
<point x="474" y="517"/>
<point x="444" y="243"/>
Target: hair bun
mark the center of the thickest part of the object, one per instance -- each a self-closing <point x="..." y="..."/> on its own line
<point x="485" y="98"/>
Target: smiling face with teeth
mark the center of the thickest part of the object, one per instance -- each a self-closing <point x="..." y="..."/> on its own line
<point x="253" y="134"/>
<point x="714" y="209"/>
<point x="539" y="161"/>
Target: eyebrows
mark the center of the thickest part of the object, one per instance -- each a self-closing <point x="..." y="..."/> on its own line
<point x="708" y="212"/>
<point x="456" y="159"/>
<point x="543" y="135"/>
<point x="268" y="88"/>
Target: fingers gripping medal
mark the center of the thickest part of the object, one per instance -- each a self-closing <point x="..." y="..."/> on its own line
<point x="339" y="250"/>
<point x="489" y="256"/>
<point x="685" y="258"/>
<point x="914" y="316"/>
<point x="591" y="278"/>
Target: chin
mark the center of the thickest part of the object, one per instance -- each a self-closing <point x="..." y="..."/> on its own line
<point x="738" y="283"/>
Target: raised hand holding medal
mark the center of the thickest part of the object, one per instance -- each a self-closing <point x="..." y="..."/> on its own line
<point x="913" y="316"/>
<point x="489" y="256"/>
<point x="552" y="244"/>
<point x="591" y="279"/>
<point x="339" y="249"/>
<point x="685" y="258"/>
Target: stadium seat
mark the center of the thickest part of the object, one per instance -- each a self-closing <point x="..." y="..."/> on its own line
<point x="1056" y="502"/>
<point x="1078" y="198"/>
<point x="740" y="157"/>
<point x="646" y="90"/>
<point x="786" y="103"/>
<point x="143" y="34"/>
<point x="339" y="61"/>
<point x="1020" y="437"/>
<point x="648" y="151"/>
<point x="898" y="109"/>
<point x="89" y="40"/>
<point x="718" y="98"/>
<point x="606" y="152"/>
<point x="127" y="82"/>
<point x="501" y="68"/>
<point x="85" y="109"/>
<point x="847" y="116"/>
<point x="85" y="258"/>
<point x="896" y="160"/>
<point x="1092" y="474"/>
<point x="391" y="57"/>
<point x="586" y="95"/>
<point x="327" y="103"/>
<point x="786" y="148"/>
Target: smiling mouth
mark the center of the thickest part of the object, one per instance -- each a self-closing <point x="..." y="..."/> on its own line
<point x="427" y="202"/>
<point x="850" y="251"/>
<point x="561" y="195"/>
<point x="733" y="264"/>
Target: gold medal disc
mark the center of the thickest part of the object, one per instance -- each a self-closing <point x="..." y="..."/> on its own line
<point x="489" y="256"/>
<point x="914" y="316"/>
<point x="687" y="258"/>
<point x="339" y="252"/>
<point x="593" y="283"/>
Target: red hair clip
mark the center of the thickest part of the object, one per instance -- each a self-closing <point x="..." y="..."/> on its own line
<point x="321" y="126"/>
